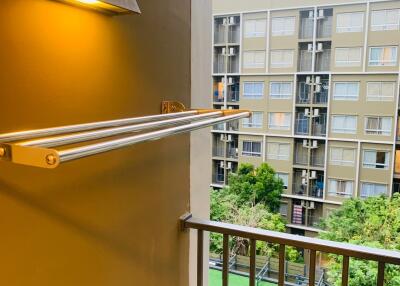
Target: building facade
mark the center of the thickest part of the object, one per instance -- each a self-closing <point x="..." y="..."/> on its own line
<point x="322" y="82"/>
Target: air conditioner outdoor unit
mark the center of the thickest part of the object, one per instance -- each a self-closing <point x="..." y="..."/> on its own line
<point x="232" y="20"/>
<point x="230" y="107"/>
<point x="313" y="175"/>
<point x="229" y="165"/>
<point x="321" y="13"/>
<point x="229" y="138"/>
<point x="224" y="51"/>
<point x="318" y="88"/>
<point x="310" y="47"/>
<point x="304" y="181"/>
<point x="315" y="143"/>
<point x="316" y="112"/>
<point x="312" y="205"/>
<point x="318" y="79"/>
<point x="224" y="21"/>
<point x="230" y="80"/>
<point x="305" y="143"/>
<point x="222" y="138"/>
<point x="304" y="173"/>
<point x="306" y="112"/>
<point x="311" y="14"/>
<point x="231" y="51"/>
<point x="320" y="47"/>
<point x="308" y="80"/>
<point x="221" y="164"/>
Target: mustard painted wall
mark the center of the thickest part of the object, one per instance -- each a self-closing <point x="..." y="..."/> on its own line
<point x="111" y="219"/>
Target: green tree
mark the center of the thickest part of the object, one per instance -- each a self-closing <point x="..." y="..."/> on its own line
<point x="256" y="185"/>
<point x="372" y="222"/>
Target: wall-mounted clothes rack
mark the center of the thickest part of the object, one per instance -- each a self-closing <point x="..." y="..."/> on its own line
<point x="36" y="147"/>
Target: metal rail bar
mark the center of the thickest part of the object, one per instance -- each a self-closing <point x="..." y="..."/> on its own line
<point x="98" y="134"/>
<point x="339" y="248"/>
<point x="85" y="151"/>
<point x="37" y="133"/>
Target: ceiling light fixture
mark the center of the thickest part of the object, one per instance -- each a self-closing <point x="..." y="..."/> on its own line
<point x="113" y="6"/>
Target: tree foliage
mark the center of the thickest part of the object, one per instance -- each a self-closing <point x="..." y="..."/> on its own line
<point x="372" y="222"/>
<point x="252" y="199"/>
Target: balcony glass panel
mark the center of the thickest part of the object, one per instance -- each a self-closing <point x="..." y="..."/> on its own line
<point x="307" y="28"/>
<point x="305" y="60"/>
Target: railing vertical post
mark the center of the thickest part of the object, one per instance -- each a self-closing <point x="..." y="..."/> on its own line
<point x="252" y="276"/>
<point x="381" y="273"/>
<point x="281" y="271"/>
<point x="225" y="260"/>
<point x="311" y="274"/>
<point x="200" y="244"/>
<point x="345" y="271"/>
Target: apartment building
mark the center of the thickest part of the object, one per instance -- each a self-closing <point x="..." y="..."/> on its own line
<point x="322" y="82"/>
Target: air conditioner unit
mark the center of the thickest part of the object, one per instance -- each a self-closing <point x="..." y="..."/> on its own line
<point x="310" y="47"/>
<point x="230" y="107"/>
<point x="221" y="164"/>
<point x="232" y="21"/>
<point x="304" y="181"/>
<point x="229" y="166"/>
<point x="305" y="143"/>
<point x="315" y="143"/>
<point x="312" y="205"/>
<point x="224" y="51"/>
<point x="222" y="138"/>
<point x="311" y="14"/>
<point x="313" y="175"/>
<point x="306" y="112"/>
<point x="229" y="138"/>
<point x="318" y="79"/>
<point x="308" y="80"/>
<point x="304" y="173"/>
<point x="320" y="47"/>
<point x="223" y="80"/>
<point x="321" y="13"/>
<point x="318" y="88"/>
<point x="224" y="21"/>
<point x="231" y="51"/>
<point x="230" y="80"/>
<point x="316" y="112"/>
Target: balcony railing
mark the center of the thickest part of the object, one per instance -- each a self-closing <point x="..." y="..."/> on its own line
<point x="321" y="97"/>
<point x="323" y="61"/>
<point x="217" y="97"/>
<point x="316" y="189"/>
<point x="303" y="94"/>
<point x="219" y="178"/>
<point x="318" y="158"/>
<point x="301" y="126"/>
<point x="299" y="189"/>
<point x="232" y="153"/>
<point x="233" y="64"/>
<point x="219" y="35"/>
<point x="218" y="151"/>
<point x="233" y="96"/>
<point x="305" y="61"/>
<point x="307" y="28"/>
<point x="233" y="125"/>
<point x="324" y="27"/>
<point x="233" y="34"/>
<point x="346" y="250"/>
<point x="219" y="63"/>
<point x="219" y="126"/>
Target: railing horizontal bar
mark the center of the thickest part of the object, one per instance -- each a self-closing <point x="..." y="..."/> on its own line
<point x="88" y="150"/>
<point x="98" y="134"/>
<point x="37" y="133"/>
<point x="340" y="248"/>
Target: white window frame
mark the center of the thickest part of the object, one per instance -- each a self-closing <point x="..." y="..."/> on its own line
<point x="285" y="184"/>
<point x="285" y="29"/>
<point x="255" y="33"/>
<point x="280" y="95"/>
<point x="374" y="185"/>
<point x="383" y="132"/>
<point x="251" y="153"/>
<point x="282" y="64"/>
<point x="253" y="65"/>
<point x="343" y="130"/>
<point x="368" y="165"/>
<point x="346" y="96"/>
<point x="348" y="63"/>
<point x="380" y="96"/>
<point x="278" y="156"/>
<point x="339" y="182"/>
<point x="382" y="63"/>
<point x="342" y="162"/>
<point x="279" y="127"/>
<point x="255" y="95"/>
<point x="249" y="123"/>
<point x="350" y="29"/>
<point x="385" y="26"/>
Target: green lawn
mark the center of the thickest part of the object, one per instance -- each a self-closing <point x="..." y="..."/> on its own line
<point x="215" y="279"/>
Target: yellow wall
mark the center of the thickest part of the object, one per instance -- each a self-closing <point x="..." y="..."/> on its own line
<point x="111" y="219"/>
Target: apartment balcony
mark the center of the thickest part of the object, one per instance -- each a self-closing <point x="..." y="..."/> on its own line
<point x="300" y="155"/>
<point x="219" y="63"/>
<point x="302" y="126"/>
<point x="306" y="28"/>
<point x="324" y="27"/>
<point x="321" y="97"/>
<point x="319" y="125"/>
<point x="218" y="151"/>
<point x="303" y="93"/>
<point x="316" y="189"/>
<point x="314" y="245"/>
<point x="323" y="60"/>
<point x="218" y="97"/>
<point x="305" y="61"/>
<point x="233" y="125"/>
<point x="232" y="153"/>
<point x="234" y="34"/>
<point x="233" y="63"/>
<point x="318" y="157"/>
<point x="233" y="96"/>
<point x="299" y="189"/>
<point x="219" y="179"/>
